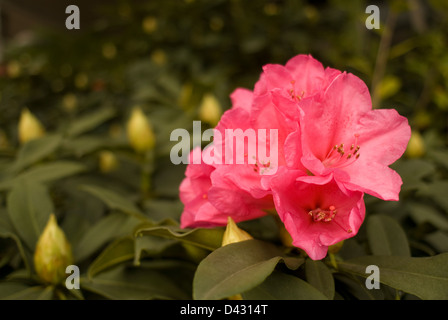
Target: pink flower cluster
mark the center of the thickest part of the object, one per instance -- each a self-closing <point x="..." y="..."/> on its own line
<point x="332" y="148"/>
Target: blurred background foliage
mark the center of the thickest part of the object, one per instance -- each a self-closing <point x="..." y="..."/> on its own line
<point x="179" y="60"/>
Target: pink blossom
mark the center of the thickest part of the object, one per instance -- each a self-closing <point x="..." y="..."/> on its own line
<point x="198" y="211"/>
<point x="210" y="196"/>
<point x="340" y="135"/>
<point x="316" y="215"/>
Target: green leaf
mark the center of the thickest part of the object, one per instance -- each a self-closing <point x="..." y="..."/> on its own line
<point x="82" y="145"/>
<point x="46" y="173"/>
<point x="280" y="286"/>
<point x="320" y="277"/>
<point x="36" y="150"/>
<point x="209" y="239"/>
<point x="110" y="227"/>
<point x="437" y="191"/>
<point x="234" y="269"/>
<point x="151" y="246"/>
<point x="131" y="283"/>
<point x="352" y="286"/>
<point x="29" y="207"/>
<point x="117" y="252"/>
<point x="421" y="213"/>
<point x="386" y="237"/>
<point x="426" y="278"/>
<point x="412" y="171"/>
<point x="115" y="201"/>
<point x="26" y="257"/>
<point x="90" y="121"/>
<point x="21" y="291"/>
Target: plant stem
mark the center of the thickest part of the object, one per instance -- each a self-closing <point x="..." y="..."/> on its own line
<point x="382" y="56"/>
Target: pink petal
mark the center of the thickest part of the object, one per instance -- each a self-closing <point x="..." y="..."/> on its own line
<point x="242" y="98"/>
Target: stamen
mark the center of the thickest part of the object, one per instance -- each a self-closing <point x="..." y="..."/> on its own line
<point x="342" y="157"/>
<point x="329" y="215"/>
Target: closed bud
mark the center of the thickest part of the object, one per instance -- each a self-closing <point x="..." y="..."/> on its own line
<point x="210" y="110"/>
<point x="416" y="146"/>
<point x="53" y="253"/>
<point x="107" y="161"/>
<point x="285" y="237"/>
<point x="336" y="247"/>
<point x="234" y="234"/>
<point x="29" y="127"/>
<point x="139" y="131"/>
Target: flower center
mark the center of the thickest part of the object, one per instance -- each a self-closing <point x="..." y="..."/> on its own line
<point x="320" y="215"/>
<point x="293" y="94"/>
<point x="339" y="156"/>
<point x="323" y="215"/>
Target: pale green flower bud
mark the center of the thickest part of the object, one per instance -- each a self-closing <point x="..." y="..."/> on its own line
<point x="140" y="132"/>
<point x="29" y="127"/>
<point x="416" y="146"/>
<point x="234" y="234"/>
<point x="210" y="110"/>
<point x="107" y="161"/>
<point x="53" y="253"/>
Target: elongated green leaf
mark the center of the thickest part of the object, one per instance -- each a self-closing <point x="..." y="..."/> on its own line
<point x="280" y="286"/>
<point x="113" y="226"/>
<point x="386" y="237"/>
<point x="421" y="213"/>
<point x="115" y="201"/>
<point x="23" y="253"/>
<point x="209" y="239"/>
<point x="235" y="268"/>
<point x="426" y="278"/>
<point x="29" y="208"/>
<point x="413" y="171"/>
<point x="151" y="246"/>
<point x="319" y="276"/>
<point x="117" y="252"/>
<point x="90" y="121"/>
<point x="21" y="291"/>
<point x="46" y="172"/>
<point x="36" y="150"/>
<point x="351" y="286"/>
<point x="130" y="283"/>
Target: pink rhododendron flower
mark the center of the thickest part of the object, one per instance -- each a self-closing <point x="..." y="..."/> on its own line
<point x="209" y="198"/>
<point x="340" y="135"/>
<point x="316" y="215"/>
<point x="330" y="148"/>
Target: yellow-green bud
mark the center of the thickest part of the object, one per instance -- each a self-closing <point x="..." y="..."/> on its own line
<point x="14" y="69"/>
<point x="234" y="234"/>
<point x="53" y="253"/>
<point x="285" y="237"/>
<point x="29" y="127"/>
<point x="336" y="247"/>
<point x="210" y="110"/>
<point x="69" y="102"/>
<point x="149" y="24"/>
<point x="139" y="131"/>
<point x="416" y="146"/>
<point x="107" y="161"/>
